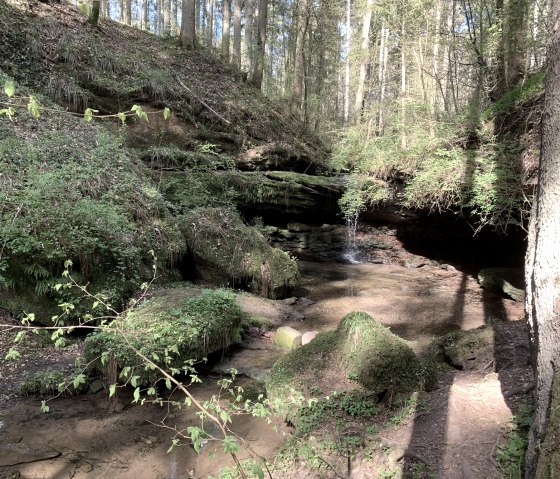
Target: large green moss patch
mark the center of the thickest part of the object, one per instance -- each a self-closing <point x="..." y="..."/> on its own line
<point x="360" y="354"/>
<point x="227" y="250"/>
<point x="169" y="329"/>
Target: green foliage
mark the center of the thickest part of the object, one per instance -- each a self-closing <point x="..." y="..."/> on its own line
<point x="511" y="455"/>
<point x="53" y="382"/>
<point x="219" y="238"/>
<point x="438" y="171"/>
<point x="170" y="329"/>
<point x="71" y="190"/>
<point x="531" y="88"/>
<point x="345" y="406"/>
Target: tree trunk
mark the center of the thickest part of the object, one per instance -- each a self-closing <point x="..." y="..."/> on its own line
<point x="188" y="33"/>
<point x="167" y="17"/>
<point x="237" y="33"/>
<point x="382" y="78"/>
<point x="262" y="18"/>
<point x="146" y="15"/>
<point x="517" y="42"/>
<point x="210" y="23"/>
<point x="403" y="83"/>
<point x="301" y="28"/>
<point x="346" y="97"/>
<point x="542" y="264"/>
<point x="94" y="14"/>
<point x="359" y="103"/>
<point x="226" y="14"/>
<point x="248" y="38"/>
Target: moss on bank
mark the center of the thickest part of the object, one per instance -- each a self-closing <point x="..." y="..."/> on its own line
<point x="227" y="250"/>
<point x="169" y="329"/>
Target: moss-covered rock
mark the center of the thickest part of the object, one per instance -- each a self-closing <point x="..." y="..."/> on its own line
<point x="360" y="353"/>
<point x="171" y="324"/>
<point x="508" y="281"/>
<point x="226" y="250"/>
<point x="469" y="349"/>
<point x="549" y="460"/>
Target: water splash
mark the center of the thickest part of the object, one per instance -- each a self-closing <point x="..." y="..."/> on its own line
<point x="351" y="252"/>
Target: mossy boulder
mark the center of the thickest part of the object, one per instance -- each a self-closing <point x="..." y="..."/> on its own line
<point x="549" y="460"/>
<point x="226" y="250"/>
<point x="508" y="281"/>
<point x="360" y="354"/>
<point x="175" y="324"/>
<point x="469" y="349"/>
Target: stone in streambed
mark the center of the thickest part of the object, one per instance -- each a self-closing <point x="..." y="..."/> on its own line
<point x="287" y="338"/>
<point x="509" y="281"/>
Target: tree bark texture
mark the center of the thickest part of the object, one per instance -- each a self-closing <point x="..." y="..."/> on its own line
<point x="542" y="264"/>
<point x="237" y="33"/>
<point x="364" y="61"/>
<point x="248" y="37"/>
<point x="188" y="33"/>
<point x="262" y="19"/>
<point x="226" y="14"/>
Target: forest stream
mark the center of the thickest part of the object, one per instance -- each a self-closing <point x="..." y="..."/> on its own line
<point x="455" y="433"/>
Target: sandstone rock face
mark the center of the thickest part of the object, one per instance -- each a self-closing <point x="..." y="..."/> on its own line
<point x="287" y="338"/>
<point x="508" y="281"/>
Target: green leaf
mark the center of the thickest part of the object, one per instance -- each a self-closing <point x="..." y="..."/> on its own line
<point x="10" y="88"/>
<point x="257" y="470"/>
<point x="19" y="336"/>
<point x="79" y="380"/>
<point x="33" y="107"/>
<point x="112" y="390"/>
<point x="168" y="383"/>
<point x="230" y="445"/>
<point x="12" y="354"/>
<point x="104" y="357"/>
<point x="134" y="381"/>
<point x="124" y="372"/>
<point x="136" y="395"/>
<point x="173" y="444"/>
<point x="166" y="113"/>
<point x="44" y="407"/>
<point x="9" y="112"/>
<point x="122" y="117"/>
<point x="88" y="114"/>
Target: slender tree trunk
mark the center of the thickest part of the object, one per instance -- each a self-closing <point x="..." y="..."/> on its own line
<point x="121" y="11"/>
<point x="146" y="15"/>
<point x="237" y="33"/>
<point x="517" y="41"/>
<point x="188" y="32"/>
<point x="364" y="61"/>
<point x="542" y="265"/>
<point x="226" y="14"/>
<point x="301" y="28"/>
<point x="128" y="12"/>
<point x="436" y="82"/>
<point x="93" y="18"/>
<point x="174" y="23"/>
<point x="262" y="18"/>
<point x="167" y="17"/>
<point x="249" y="34"/>
<point x="105" y="9"/>
<point x="501" y="83"/>
<point x="382" y="78"/>
<point x="403" y="83"/>
<point x="348" y="33"/>
<point x="210" y="4"/>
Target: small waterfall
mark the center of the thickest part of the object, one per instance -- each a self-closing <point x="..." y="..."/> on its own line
<point x="351" y="252"/>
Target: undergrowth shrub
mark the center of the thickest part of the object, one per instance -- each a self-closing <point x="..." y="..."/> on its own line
<point x="70" y="190"/>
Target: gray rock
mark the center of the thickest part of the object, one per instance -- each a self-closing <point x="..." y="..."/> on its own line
<point x="290" y="301"/>
<point x="95" y="386"/>
<point x="299" y="227"/>
<point x="305" y="302"/>
<point x="509" y="281"/>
